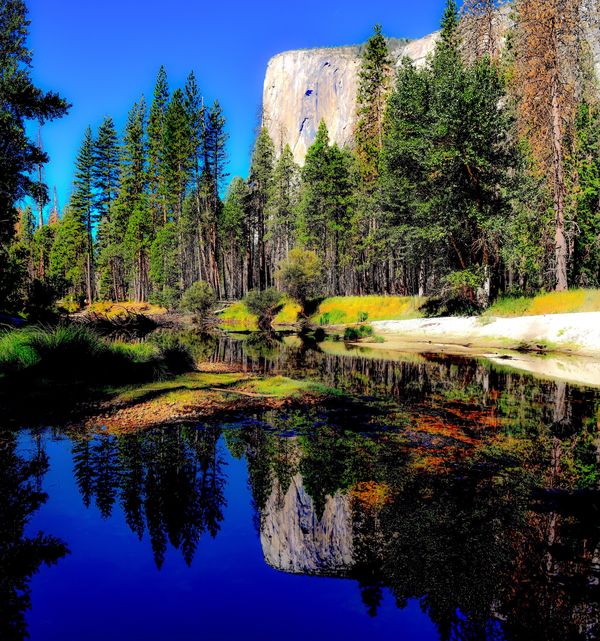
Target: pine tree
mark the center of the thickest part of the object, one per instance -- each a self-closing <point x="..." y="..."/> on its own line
<point x="236" y="238"/>
<point x="213" y="177"/>
<point x="134" y="156"/>
<point x="447" y="163"/>
<point x="325" y="203"/>
<point x="284" y="205"/>
<point x="82" y="205"/>
<point x="156" y="126"/>
<point x="315" y="191"/>
<point x="137" y="244"/>
<point x="373" y="91"/>
<point x="194" y="107"/>
<point x="68" y="256"/>
<point x="260" y="185"/>
<point x="546" y="47"/>
<point x="481" y="29"/>
<point x="586" y="244"/>
<point x="176" y="154"/>
<point x="113" y="260"/>
<point x="105" y="170"/>
<point x="21" y="101"/>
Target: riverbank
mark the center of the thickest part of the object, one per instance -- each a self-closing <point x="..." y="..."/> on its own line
<point x="564" y="333"/>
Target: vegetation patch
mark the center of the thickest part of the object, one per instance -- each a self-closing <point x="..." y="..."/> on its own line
<point x="345" y="310"/>
<point x="573" y="301"/>
<point x="112" y="310"/>
<point x="199" y="395"/>
<point x="75" y="353"/>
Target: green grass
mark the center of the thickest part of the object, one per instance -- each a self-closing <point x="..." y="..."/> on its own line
<point x="573" y="301"/>
<point x="76" y="353"/>
<point x="284" y="387"/>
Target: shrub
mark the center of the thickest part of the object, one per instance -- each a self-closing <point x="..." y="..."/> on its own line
<point x="363" y="317"/>
<point x="199" y="299"/>
<point x="168" y="298"/>
<point x="356" y="333"/>
<point x="266" y="305"/>
<point x="302" y="276"/>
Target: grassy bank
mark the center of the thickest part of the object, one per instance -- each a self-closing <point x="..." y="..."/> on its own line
<point x="337" y="310"/>
<point x="72" y="353"/>
<point x="573" y="301"/>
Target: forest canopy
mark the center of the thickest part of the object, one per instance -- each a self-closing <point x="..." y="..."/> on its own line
<point x="473" y="175"/>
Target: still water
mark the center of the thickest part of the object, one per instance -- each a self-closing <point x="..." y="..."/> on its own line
<point x="448" y="500"/>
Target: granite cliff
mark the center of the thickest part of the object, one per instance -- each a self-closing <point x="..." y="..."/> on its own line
<point x="303" y="87"/>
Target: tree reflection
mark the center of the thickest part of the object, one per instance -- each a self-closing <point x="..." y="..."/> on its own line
<point x="21" y="556"/>
<point x="168" y="482"/>
<point x="502" y="543"/>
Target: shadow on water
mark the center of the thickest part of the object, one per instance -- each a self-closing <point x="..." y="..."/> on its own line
<point x="472" y="490"/>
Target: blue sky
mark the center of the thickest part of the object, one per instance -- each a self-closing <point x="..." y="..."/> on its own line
<point x="102" y="55"/>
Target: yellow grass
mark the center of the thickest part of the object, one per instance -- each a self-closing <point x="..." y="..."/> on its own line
<point x="238" y="317"/>
<point x="573" y="301"/>
<point x="288" y="315"/>
<point x="342" y="310"/>
<point x="339" y="310"/>
<point x="116" y="309"/>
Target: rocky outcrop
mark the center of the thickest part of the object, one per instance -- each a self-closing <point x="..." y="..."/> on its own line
<point x="307" y="86"/>
<point x="296" y="539"/>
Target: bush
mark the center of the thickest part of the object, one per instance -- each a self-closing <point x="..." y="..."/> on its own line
<point x="266" y="305"/>
<point x="168" y="298"/>
<point x="302" y="276"/>
<point x="363" y="317"/>
<point x="450" y="305"/>
<point x="356" y="333"/>
<point x="199" y="299"/>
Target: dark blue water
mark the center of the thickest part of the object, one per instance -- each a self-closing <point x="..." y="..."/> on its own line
<point x="109" y="587"/>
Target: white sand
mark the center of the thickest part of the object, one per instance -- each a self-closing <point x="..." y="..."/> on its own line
<point x="570" y="333"/>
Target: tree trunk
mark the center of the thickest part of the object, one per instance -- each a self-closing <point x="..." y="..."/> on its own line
<point x="559" y="187"/>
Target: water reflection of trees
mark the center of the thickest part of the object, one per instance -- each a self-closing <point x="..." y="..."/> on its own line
<point x="505" y="544"/>
<point x="168" y="482"/>
<point x="21" y="556"/>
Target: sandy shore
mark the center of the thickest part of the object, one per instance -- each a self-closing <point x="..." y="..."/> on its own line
<point x="570" y="343"/>
<point x="566" y="333"/>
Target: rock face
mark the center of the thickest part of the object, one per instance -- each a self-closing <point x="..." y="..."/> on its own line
<point x="304" y="87"/>
<point x="294" y="539"/>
